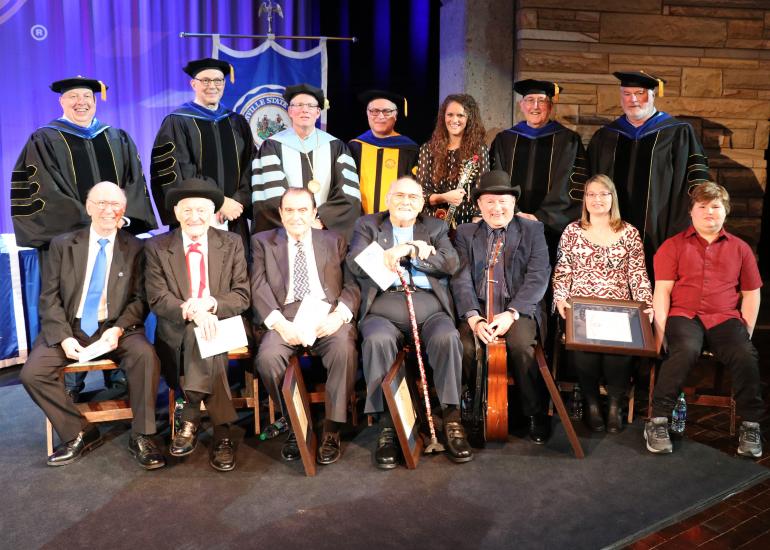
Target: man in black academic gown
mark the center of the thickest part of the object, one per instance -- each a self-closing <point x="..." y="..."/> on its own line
<point x="653" y="158"/>
<point x="60" y="164"/>
<point x="64" y="159"/>
<point x="545" y="159"/>
<point x="382" y="155"/>
<point x="305" y="156"/>
<point x="202" y="139"/>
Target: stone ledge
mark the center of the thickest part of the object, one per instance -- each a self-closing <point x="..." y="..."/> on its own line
<point x="663" y="29"/>
<point x="638" y="6"/>
<point x="536" y="34"/>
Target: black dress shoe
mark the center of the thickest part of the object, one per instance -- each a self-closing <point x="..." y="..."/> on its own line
<point x="290" y="450"/>
<point x="594" y="415"/>
<point x="185" y="440"/>
<point x="388" y="452"/>
<point x="223" y="455"/>
<point x="456" y="443"/>
<point x="329" y="451"/>
<point x="614" y="416"/>
<point x="539" y="428"/>
<point x="69" y="452"/>
<point x="146" y="453"/>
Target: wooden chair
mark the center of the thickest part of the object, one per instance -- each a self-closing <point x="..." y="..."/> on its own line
<point x="96" y="411"/>
<point x="318" y="395"/>
<point x="249" y="398"/>
<point x="713" y="396"/>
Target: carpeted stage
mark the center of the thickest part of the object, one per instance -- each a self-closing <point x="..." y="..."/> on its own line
<point x="513" y="495"/>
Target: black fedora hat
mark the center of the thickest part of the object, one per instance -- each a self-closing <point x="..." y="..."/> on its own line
<point x="495" y="182"/>
<point x="195" y="187"/>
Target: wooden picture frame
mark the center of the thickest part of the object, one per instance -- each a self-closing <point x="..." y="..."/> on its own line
<point x="400" y="396"/>
<point x="298" y="404"/>
<point x="609" y="326"/>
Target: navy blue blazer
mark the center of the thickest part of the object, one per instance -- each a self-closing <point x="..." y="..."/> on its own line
<point x="527" y="268"/>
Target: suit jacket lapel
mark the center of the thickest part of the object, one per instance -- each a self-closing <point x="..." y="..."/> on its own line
<point x="281" y="255"/>
<point x="79" y="250"/>
<point x="512" y="240"/>
<point x="479" y="259"/>
<point x="216" y="259"/>
<point x="322" y="256"/>
<point x="178" y="265"/>
<point x="118" y="265"/>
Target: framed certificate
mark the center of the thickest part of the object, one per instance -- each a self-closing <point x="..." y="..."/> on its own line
<point x="399" y="394"/>
<point x="609" y="326"/>
<point x="298" y="405"/>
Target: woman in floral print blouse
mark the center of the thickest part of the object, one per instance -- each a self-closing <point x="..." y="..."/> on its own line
<point x="601" y="256"/>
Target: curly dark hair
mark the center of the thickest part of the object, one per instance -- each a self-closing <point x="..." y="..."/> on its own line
<point x="472" y="138"/>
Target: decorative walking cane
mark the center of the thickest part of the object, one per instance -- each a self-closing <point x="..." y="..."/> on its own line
<point x="434" y="446"/>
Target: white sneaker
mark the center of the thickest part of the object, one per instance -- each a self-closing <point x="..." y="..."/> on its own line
<point x="656" y="435"/>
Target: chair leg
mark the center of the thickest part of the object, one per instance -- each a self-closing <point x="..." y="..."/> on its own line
<point x="354" y="409"/>
<point x="732" y="414"/>
<point x="651" y="389"/>
<point x="271" y="408"/>
<point x="631" y="403"/>
<point x="172" y="410"/>
<point x="48" y="436"/>
<point x="255" y="397"/>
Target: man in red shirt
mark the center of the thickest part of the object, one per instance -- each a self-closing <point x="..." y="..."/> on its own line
<point x="707" y="291"/>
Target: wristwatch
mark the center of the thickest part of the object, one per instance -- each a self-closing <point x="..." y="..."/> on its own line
<point x="515" y="313"/>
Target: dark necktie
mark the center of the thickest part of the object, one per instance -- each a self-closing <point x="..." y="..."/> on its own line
<point x="498" y="235"/>
<point x="195" y="249"/>
<point x="301" y="281"/>
<point x="90" y="320"/>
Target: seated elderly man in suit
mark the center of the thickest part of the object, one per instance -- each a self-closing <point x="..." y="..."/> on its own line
<point x="196" y="275"/>
<point x="290" y="264"/>
<point x="86" y="267"/>
<point x="522" y="273"/>
<point x="421" y="245"/>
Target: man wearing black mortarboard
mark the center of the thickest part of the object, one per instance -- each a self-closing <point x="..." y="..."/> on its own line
<point x="306" y="156"/>
<point x="545" y="159"/>
<point x="64" y="159"/>
<point x="59" y="165"/>
<point x="202" y="139"/>
<point x="653" y="158"/>
<point x="382" y="155"/>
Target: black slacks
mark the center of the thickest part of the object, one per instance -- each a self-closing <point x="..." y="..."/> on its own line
<point x="730" y="344"/>
<point x="520" y="343"/>
<point x="591" y="367"/>
<point x="135" y="355"/>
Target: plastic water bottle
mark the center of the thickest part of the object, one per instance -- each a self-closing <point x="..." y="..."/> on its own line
<point x="576" y="406"/>
<point x="275" y="429"/>
<point x="178" y="406"/>
<point x="679" y="415"/>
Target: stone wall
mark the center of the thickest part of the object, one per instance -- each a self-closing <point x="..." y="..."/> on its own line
<point x="714" y="55"/>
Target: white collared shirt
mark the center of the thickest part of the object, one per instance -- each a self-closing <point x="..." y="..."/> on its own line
<point x="194" y="271"/>
<point x="93" y="250"/>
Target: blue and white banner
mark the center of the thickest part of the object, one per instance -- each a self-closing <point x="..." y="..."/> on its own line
<point x="13" y="337"/>
<point x="261" y="76"/>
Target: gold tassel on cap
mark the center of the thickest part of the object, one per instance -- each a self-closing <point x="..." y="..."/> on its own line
<point x="406" y="110"/>
<point x="103" y="90"/>
<point x="555" y="92"/>
<point x="660" y="87"/>
<point x="232" y="75"/>
<point x="326" y="103"/>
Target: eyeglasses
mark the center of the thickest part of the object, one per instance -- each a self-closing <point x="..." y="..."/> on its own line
<point x="603" y="195"/>
<point x="103" y="205"/>
<point x="532" y="102"/>
<point x="218" y="82"/>
<point x="400" y="197"/>
<point x="374" y="113"/>
<point x="304" y="105"/>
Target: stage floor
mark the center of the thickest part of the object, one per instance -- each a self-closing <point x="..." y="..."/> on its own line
<point x="512" y="495"/>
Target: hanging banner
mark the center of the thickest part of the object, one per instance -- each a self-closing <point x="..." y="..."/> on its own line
<point x="261" y="76"/>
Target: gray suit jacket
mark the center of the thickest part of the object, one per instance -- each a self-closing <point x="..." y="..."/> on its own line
<point x="270" y="271"/>
<point x="61" y="290"/>
<point x="438" y="267"/>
